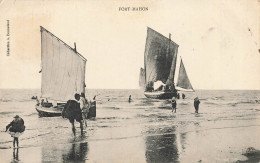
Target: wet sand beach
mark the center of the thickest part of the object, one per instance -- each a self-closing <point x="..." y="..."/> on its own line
<point x="144" y="130"/>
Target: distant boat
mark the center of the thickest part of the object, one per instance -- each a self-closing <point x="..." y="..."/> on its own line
<point x="63" y="75"/>
<point x="34" y="97"/>
<point x="157" y="76"/>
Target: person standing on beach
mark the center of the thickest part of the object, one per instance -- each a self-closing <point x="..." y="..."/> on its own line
<point x="174" y="104"/>
<point x="42" y="103"/>
<point x="196" y="104"/>
<point x="84" y="106"/>
<point x="178" y="96"/>
<point x="183" y="96"/>
<point x="16" y="129"/>
<point x="129" y="99"/>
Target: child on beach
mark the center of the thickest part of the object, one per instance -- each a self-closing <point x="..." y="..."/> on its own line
<point x="16" y="129"/>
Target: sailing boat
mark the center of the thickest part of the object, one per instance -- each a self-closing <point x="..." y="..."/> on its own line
<point x="183" y="83"/>
<point x="63" y="75"/>
<point x="157" y="77"/>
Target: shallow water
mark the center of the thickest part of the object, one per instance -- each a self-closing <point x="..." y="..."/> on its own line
<point x="144" y="130"/>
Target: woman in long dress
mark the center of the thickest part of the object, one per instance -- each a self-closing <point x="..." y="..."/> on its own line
<point x="16" y="129"/>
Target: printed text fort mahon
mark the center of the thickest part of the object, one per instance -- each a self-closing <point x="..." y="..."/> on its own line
<point x="133" y="8"/>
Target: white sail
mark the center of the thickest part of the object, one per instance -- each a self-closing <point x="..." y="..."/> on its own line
<point x="183" y="83"/>
<point x="63" y="69"/>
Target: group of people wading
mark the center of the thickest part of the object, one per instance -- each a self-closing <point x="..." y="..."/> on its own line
<point x="78" y="110"/>
<point x="195" y="103"/>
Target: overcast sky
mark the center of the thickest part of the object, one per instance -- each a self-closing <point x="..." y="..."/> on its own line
<point x="218" y="40"/>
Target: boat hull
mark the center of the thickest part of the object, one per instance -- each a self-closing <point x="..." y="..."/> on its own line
<point x="160" y="95"/>
<point x="56" y="111"/>
<point x="48" y="112"/>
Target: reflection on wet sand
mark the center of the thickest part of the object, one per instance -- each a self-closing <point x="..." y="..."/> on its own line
<point x="68" y="152"/>
<point x="183" y="141"/>
<point x="77" y="153"/>
<point x="161" y="147"/>
<point x="15" y="154"/>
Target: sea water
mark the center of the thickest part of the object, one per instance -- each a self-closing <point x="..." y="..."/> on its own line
<point x="144" y="130"/>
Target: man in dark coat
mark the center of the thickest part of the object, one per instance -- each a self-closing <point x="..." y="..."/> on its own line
<point x="196" y="104"/>
<point x="72" y="111"/>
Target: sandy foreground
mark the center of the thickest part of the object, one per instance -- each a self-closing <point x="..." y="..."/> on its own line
<point x="132" y="144"/>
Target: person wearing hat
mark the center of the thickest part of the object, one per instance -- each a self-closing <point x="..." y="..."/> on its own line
<point x="196" y="104"/>
<point x="174" y="104"/>
<point x="16" y="129"/>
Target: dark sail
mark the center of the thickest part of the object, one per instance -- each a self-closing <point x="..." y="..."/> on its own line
<point x="160" y="58"/>
<point x="170" y="81"/>
<point x="142" y="78"/>
<point x="183" y="80"/>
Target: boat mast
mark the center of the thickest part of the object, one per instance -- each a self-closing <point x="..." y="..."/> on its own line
<point x="41" y="59"/>
<point x="75" y="48"/>
<point x="169" y="41"/>
<point x="169" y="49"/>
<point x="145" y="61"/>
<point x="145" y="71"/>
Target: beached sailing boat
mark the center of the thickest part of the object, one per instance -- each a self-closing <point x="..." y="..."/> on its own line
<point x="63" y="75"/>
<point x="157" y="76"/>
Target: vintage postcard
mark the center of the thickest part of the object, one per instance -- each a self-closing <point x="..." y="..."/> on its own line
<point x="129" y="81"/>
